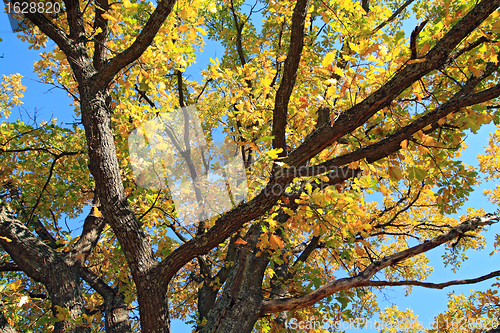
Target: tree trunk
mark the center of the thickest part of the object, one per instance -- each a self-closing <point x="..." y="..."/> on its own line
<point x="152" y="299"/>
<point x="239" y="307"/>
<point x="116" y="316"/>
<point x="65" y="292"/>
<point x="153" y="307"/>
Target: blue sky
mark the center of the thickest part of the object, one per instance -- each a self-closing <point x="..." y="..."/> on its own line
<point x="51" y="102"/>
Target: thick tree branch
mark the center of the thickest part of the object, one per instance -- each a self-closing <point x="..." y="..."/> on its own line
<point x="44" y="265"/>
<point x="463" y="98"/>
<point x="75" y="19"/>
<point x="357" y="115"/>
<point x="363" y="279"/>
<point x="99" y="58"/>
<point x="115" y="308"/>
<point x="9" y="267"/>
<point x="50" y="29"/>
<point x="141" y="43"/>
<point x="289" y="75"/>
<point x="239" y="29"/>
<point x="32" y="255"/>
<point x="92" y="229"/>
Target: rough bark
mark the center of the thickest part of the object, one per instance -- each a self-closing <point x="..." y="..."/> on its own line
<point x="58" y="273"/>
<point x="5" y="327"/>
<point x="289" y="75"/>
<point x="238" y="308"/>
<point x="115" y="309"/>
<point x="109" y="189"/>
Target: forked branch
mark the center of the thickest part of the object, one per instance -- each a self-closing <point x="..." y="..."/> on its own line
<point x="363" y="278"/>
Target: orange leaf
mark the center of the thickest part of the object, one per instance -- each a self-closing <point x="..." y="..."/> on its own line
<point x="276" y="242"/>
<point x="240" y="241"/>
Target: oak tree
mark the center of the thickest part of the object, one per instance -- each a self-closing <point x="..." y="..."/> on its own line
<point x="350" y="131"/>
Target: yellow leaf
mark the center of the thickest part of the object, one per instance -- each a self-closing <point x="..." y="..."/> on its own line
<point x="424" y="49"/>
<point x="127" y="4"/>
<point x="383" y="189"/>
<point x="359" y="251"/>
<point x="423" y="150"/>
<point x="184" y="13"/>
<point x="97" y="31"/>
<point x="404" y="144"/>
<point x="108" y="17"/>
<point x="8" y="240"/>
<point x="212" y="8"/>
<point x="97" y="213"/>
<point x="281" y="58"/>
<point x="328" y="59"/>
<point x="60" y="55"/>
<point x="395" y="172"/>
<point x="338" y="71"/>
<point x="273" y="153"/>
<point x="474" y="70"/>
<point x="16" y="284"/>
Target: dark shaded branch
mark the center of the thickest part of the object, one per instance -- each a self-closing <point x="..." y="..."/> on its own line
<point x="413" y="39"/>
<point x="433" y="285"/>
<point x="357" y="115"/>
<point x="366" y="5"/>
<point x="203" y="89"/>
<point x="33" y="256"/>
<point x="49" y="29"/>
<point x="239" y="29"/>
<point x="393" y="16"/>
<point x="467" y="48"/>
<point x="289" y="75"/>
<point x="313" y="245"/>
<point x="142" y="95"/>
<point x="75" y="19"/>
<point x="9" y="267"/>
<point x="49" y="177"/>
<point x="100" y="22"/>
<point x="363" y="278"/>
<point x="140" y="44"/>
<point x="180" y="88"/>
<point x="92" y="229"/>
<point x="392" y="143"/>
<point x="43" y="233"/>
<point x="115" y="308"/>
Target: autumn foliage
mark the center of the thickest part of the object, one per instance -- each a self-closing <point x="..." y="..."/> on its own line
<point x="350" y="117"/>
